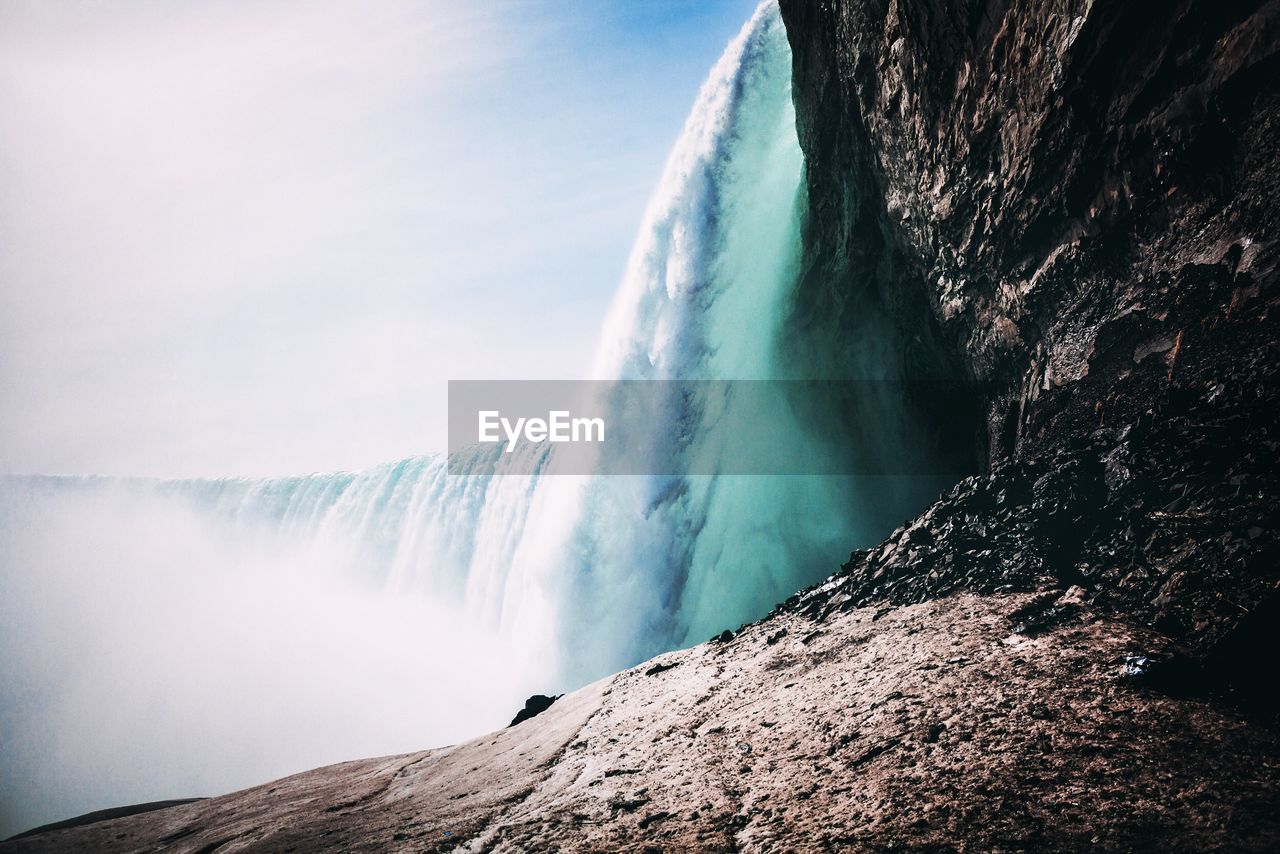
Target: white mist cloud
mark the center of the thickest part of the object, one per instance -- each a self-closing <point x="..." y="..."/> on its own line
<point x="150" y="654"/>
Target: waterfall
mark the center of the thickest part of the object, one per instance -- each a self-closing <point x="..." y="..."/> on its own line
<point x="532" y="583"/>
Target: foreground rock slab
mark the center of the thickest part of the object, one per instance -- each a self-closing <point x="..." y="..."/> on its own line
<point x="929" y="725"/>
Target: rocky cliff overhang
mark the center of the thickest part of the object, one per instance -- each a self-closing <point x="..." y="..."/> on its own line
<point x="1076" y="201"/>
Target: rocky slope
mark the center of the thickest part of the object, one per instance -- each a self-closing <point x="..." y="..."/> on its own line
<point x="1074" y="206"/>
<point x="906" y="728"/>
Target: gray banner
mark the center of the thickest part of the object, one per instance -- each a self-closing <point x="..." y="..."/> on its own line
<point x="705" y="427"/>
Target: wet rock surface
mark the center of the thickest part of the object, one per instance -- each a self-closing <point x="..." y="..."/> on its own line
<point x="933" y="726"/>
<point x="1169" y="522"/>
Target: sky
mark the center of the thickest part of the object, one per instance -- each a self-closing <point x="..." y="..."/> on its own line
<point x="259" y="238"/>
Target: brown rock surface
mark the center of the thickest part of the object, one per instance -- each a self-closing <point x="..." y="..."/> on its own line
<point x="912" y="727"/>
<point x="1075" y="205"/>
<point x="1038" y="193"/>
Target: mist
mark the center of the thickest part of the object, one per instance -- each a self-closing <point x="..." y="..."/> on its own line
<point x="256" y="244"/>
<point x="150" y="654"/>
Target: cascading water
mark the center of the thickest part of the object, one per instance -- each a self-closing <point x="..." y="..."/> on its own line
<point x="561" y="579"/>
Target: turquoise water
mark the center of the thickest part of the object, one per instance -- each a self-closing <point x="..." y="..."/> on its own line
<point x="402" y="607"/>
<point x="597" y="574"/>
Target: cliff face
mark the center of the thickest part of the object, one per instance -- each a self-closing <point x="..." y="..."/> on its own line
<point x="1074" y="204"/>
<point x="1060" y="186"/>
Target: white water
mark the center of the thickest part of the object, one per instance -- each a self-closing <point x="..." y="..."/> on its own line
<point x="169" y="638"/>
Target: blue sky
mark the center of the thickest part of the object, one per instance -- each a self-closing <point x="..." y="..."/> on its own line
<point x="258" y="238"/>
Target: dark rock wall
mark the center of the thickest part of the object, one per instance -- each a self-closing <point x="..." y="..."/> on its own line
<point x="1075" y="205"/>
<point x="1065" y="200"/>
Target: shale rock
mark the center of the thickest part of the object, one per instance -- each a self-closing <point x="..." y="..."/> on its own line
<point x="1075" y="205"/>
